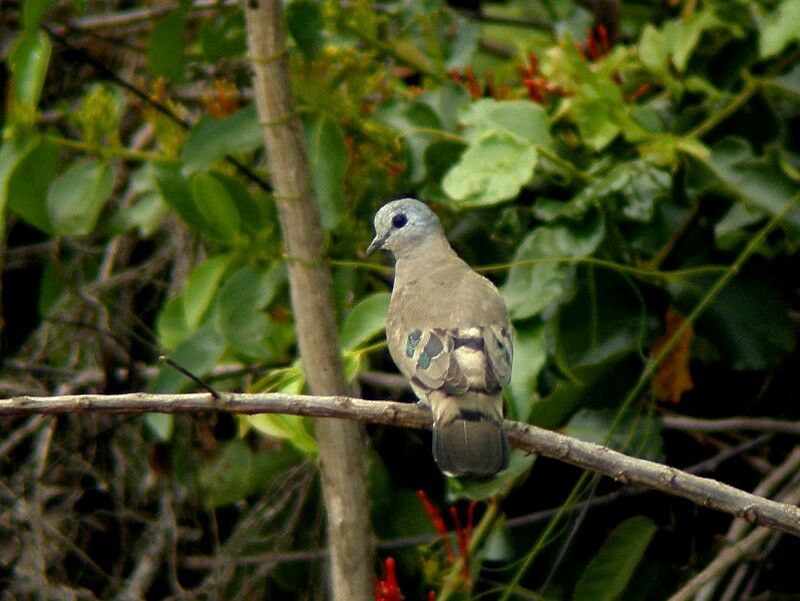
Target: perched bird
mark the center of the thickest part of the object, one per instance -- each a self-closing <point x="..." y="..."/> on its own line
<point x="449" y="334"/>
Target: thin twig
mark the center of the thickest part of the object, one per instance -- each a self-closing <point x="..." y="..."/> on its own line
<point x="730" y="555"/>
<point x="761" y="424"/>
<point x="590" y="456"/>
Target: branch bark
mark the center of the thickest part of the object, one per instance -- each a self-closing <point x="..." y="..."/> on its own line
<point x="628" y="470"/>
<point x="341" y="443"/>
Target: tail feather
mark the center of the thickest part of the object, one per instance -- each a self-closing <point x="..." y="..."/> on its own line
<point x="470" y="443"/>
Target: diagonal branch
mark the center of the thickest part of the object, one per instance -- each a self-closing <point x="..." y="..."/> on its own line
<point x="629" y="470"/>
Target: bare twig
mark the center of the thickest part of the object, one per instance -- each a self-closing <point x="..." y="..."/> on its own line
<point x="152" y="555"/>
<point x="760" y="424"/>
<point x="730" y="555"/>
<point x="629" y="470"/>
<point x="738" y="527"/>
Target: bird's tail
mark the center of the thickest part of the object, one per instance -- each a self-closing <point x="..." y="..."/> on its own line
<point x="468" y="436"/>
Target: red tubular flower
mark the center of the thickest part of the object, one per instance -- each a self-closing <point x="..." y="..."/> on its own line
<point x="387" y="589"/>
<point x="463" y="543"/>
<point x="438" y="522"/>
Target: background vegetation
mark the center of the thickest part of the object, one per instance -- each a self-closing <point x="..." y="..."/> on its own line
<point x="610" y="165"/>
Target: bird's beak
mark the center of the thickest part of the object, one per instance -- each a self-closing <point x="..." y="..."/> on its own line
<point x="376" y="244"/>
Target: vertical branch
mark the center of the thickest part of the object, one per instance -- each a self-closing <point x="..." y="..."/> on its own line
<point x="341" y="445"/>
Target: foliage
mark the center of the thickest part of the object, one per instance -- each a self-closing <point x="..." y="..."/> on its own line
<point x="605" y="170"/>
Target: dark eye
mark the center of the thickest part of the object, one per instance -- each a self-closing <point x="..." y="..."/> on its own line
<point x="399" y="220"/>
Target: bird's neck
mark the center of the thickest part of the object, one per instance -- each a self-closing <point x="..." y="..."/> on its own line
<point x="433" y="251"/>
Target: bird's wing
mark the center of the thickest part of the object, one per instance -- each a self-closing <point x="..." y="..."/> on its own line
<point x="458" y="360"/>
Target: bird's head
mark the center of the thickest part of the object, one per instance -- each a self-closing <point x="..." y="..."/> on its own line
<point x="403" y="225"/>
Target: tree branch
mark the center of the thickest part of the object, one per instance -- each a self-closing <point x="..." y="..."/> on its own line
<point x="341" y="443"/>
<point x="628" y="470"/>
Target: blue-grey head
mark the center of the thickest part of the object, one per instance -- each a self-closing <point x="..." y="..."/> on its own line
<point x="401" y="226"/>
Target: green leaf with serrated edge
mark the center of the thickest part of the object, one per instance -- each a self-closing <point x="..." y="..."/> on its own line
<point x="305" y="24"/>
<point x="365" y="320"/>
<point x="28" y="61"/>
<point x="327" y="154"/>
<point x="530" y="355"/>
<point x="215" y="206"/>
<point x="212" y="139"/>
<point x="77" y="196"/>
<point x="779" y="28"/>
<point x="531" y="288"/>
<point x="516" y="117"/>
<point x="26" y="169"/>
<point x="492" y="169"/>
<point x="165" y="52"/>
<point x="201" y="287"/>
<point x="608" y="573"/>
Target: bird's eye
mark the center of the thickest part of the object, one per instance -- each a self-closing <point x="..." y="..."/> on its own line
<point x="399" y="220"/>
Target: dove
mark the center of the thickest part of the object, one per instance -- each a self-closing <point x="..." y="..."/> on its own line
<point x="448" y="332"/>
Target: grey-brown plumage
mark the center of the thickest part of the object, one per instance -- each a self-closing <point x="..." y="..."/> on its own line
<point x="448" y="333"/>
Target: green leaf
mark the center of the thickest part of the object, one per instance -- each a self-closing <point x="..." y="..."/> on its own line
<point x="530" y="355"/>
<point x="165" y="53"/>
<point x="493" y="169"/>
<point x="604" y="320"/>
<point x="28" y="60"/>
<point x="328" y="154"/>
<point x="175" y="191"/>
<point x="416" y="122"/>
<point x="27" y="166"/>
<point x="305" y="24"/>
<point x="365" y="320"/>
<point x="736" y="323"/>
<point x="682" y="35"/>
<point x="227" y="479"/>
<point x="215" y="206"/>
<point x="33" y="12"/>
<point x="161" y="425"/>
<point x="198" y="353"/>
<point x="779" y="28"/>
<point x="608" y="573"/>
<point x="292" y="428"/>
<point x="597" y="112"/>
<point x="653" y="51"/>
<point x="171" y="324"/>
<point x="499" y="485"/>
<point x="516" y="117"/>
<point x="223" y="36"/>
<point x="760" y="182"/>
<point x="253" y="208"/>
<point x="635" y="434"/>
<point x="201" y="288"/>
<point x="531" y="288"/>
<point x="240" y="313"/>
<point x="77" y="196"/>
<point x="212" y="139"/>
<point x="287" y="427"/>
